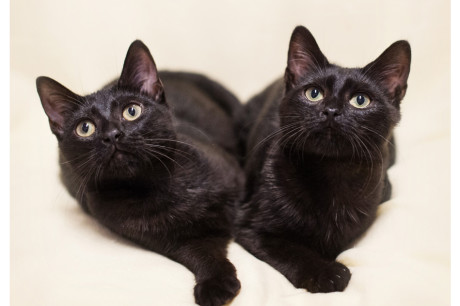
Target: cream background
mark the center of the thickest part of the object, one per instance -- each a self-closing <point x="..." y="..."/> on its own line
<point x="60" y="256"/>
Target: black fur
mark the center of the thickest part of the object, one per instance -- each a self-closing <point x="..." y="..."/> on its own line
<point x="316" y="171"/>
<point x="168" y="180"/>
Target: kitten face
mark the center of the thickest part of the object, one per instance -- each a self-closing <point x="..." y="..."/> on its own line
<point x="335" y="111"/>
<point x="117" y="133"/>
<point x="339" y="111"/>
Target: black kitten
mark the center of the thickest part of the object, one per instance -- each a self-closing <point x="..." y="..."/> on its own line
<point x="318" y="146"/>
<point x="155" y="164"/>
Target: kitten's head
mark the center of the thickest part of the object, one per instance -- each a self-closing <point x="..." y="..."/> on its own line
<point x="335" y="111"/>
<point x="118" y="132"/>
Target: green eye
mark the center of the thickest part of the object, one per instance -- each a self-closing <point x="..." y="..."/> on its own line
<point x="360" y="101"/>
<point x="314" y="94"/>
<point x="132" y="112"/>
<point x="85" y="128"/>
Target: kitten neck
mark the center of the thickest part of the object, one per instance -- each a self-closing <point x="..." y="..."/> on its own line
<point x="301" y="164"/>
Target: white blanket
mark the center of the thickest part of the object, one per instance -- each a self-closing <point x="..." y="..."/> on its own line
<point x="61" y="256"/>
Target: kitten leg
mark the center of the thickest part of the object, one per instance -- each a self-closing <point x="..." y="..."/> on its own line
<point x="303" y="267"/>
<point x="215" y="275"/>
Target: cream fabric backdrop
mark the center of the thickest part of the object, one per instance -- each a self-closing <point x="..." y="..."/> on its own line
<point x="60" y="256"/>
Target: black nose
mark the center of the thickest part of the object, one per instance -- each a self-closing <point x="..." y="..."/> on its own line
<point x="111" y="136"/>
<point x="331" y="113"/>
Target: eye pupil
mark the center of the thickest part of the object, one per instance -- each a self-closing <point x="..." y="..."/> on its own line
<point x="360" y="100"/>
<point x="85" y="127"/>
<point x="314" y="93"/>
<point x="132" y="111"/>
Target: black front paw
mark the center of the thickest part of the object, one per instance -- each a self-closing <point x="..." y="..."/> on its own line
<point x="328" y="278"/>
<point x="216" y="291"/>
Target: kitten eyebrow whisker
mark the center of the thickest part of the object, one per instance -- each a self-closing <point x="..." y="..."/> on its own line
<point x="69" y="99"/>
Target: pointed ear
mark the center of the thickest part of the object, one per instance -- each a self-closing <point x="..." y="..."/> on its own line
<point x="140" y="72"/>
<point x="304" y="56"/>
<point x="391" y="69"/>
<point x="58" y="102"/>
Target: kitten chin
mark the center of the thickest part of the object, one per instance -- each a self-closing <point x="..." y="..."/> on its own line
<point x="318" y="149"/>
<point x="123" y="164"/>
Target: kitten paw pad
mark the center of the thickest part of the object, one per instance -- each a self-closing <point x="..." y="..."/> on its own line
<point x="330" y="278"/>
<point x="216" y="291"/>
